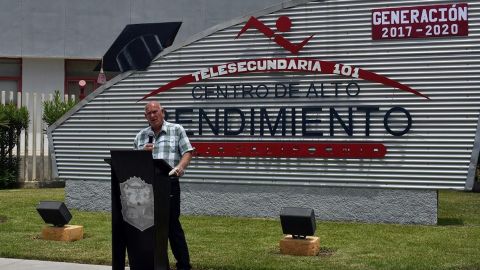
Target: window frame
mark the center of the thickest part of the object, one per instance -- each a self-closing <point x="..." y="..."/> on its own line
<point x="76" y="79"/>
<point x="18" y="78"/>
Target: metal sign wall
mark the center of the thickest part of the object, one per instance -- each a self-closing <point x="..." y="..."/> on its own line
<point x="321" y="93"/>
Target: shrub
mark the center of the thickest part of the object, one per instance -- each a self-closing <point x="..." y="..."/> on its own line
<point x="56" y="108"/>
<point x="12" y="121"/>
<point x="9" y="172"/>
<point x="477" y="175"/>
<point x="3" y="120"/>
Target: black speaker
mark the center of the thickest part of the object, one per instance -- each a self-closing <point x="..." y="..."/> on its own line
<point x="299" y="222"/>
<point x="53" y="212"/>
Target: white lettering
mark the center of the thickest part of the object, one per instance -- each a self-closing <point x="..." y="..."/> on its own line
<point x="196" y="74"/>
<point x="377" y="18"/>
<point x="222" y="70"/>
<point x="232" y="68"/>
<point x="424" y="15"/>
<point x="395" y="17"/>
<point x="204" y="73"/>
<point x="453" y="14"/>
<point x="316" y="66"/>
<point x="292" y="64"/>
<point x="302" y="64"/>
<point x="462" y="14"/>
<point x="309" y="65"/>
<point x="414" y="16"/>
<point x="262" y="65"/>
<point x="431" y="17"/>
<point x="251" y="66"/>
<point x="241" y="66"/>
<point x="272" y="64"/>
<point x="385" y="18"/>
<point x="443" y="18"/>
<point x="281" y="64"/>
<point x="424" y="18"/>
<point x="213" y="73"/>
<point x="403" y="17"/>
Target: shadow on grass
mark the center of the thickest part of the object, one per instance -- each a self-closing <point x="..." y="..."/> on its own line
<point x="326" y="252"/>
<point x="450" y="222"/>
<point x="3" y="219"/>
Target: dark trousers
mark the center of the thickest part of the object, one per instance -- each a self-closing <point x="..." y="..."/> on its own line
<point x="176" y="236"/>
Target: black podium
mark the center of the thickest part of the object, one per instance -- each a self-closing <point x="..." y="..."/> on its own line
<point x="140" y="210"/>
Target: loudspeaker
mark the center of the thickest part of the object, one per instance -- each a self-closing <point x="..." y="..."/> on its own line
<point x="53" y="212"/>
<point x="299" y="222"/>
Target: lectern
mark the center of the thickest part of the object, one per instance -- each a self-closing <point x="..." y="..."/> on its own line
<point x="140" y="210"/>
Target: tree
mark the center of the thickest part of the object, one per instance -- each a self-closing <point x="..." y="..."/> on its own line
<point x="12" y="121"/>
<point x="56" y="108"/>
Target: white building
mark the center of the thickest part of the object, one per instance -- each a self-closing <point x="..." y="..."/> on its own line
<point x="354" y="115"/>
<point x="51" y="45"/>
<point x="434" y="146"/>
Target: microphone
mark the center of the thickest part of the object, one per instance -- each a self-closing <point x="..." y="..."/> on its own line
<point x="150" y="136"/>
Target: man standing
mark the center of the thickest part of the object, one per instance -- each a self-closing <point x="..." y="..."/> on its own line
<point x="171" y="144"/>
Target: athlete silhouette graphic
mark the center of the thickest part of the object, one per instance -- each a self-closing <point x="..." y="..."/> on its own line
<point x="283" y="24"/>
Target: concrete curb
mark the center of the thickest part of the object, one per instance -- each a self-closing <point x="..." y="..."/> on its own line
<point x="21" y="264"/>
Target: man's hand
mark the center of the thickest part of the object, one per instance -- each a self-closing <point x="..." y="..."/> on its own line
<point x="177" y="171"/>
<point x="148" y="147"/>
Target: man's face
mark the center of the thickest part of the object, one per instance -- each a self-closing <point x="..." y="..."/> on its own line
<point x="154" y="115"/>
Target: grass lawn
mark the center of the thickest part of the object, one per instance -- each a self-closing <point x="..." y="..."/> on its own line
<point x="246" y="243"/>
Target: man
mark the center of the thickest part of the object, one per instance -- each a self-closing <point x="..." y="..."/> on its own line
<point x="172" y="145"/>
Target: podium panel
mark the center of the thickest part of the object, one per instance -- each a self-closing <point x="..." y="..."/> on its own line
<point x="140" y="210"/>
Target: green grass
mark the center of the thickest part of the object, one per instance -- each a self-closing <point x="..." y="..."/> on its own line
<point x="245" y="243"/>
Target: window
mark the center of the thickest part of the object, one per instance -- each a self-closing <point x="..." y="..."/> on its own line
<point x="10" y="78"/>
<point x="76" y="70"/>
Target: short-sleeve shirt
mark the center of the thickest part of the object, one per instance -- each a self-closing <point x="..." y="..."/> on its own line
<point x="170" y="144"/>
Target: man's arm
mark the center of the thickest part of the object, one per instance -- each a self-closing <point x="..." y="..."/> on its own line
<point x="135" y="143"/>
<point x="182" y="165"/>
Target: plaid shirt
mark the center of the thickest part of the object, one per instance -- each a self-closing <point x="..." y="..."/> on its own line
<point x="170" y="144"/>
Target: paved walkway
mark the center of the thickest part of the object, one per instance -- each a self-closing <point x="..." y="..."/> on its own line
<point x="20" y="264"/>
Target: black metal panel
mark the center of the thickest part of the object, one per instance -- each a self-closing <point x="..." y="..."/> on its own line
<point x="137" y="45"/>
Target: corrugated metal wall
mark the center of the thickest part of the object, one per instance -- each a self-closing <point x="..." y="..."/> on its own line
<point x="435" y="153"/>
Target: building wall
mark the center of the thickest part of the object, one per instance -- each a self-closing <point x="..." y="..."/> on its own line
<point x="12" y="29"/>
<point x="86" y="29"/>
<point x="43" y="75"/>
<point x="435" y="154"/>
<point x="338" y="204"/>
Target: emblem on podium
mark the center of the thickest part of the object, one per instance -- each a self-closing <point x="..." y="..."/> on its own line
<point x="137" y="203"/>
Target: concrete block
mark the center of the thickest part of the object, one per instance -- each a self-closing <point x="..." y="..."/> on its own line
<point x="300" y="247"/>
<point x="67" y="233"/>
